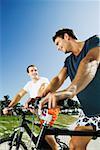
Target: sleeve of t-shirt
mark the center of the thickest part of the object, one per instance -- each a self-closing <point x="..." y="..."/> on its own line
<point x="26" y="87"/>
<point x="94" y="41"/>
<point x="67" y="61"/>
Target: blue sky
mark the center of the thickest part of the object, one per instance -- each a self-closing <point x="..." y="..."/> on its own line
<point x="27" y="27"/>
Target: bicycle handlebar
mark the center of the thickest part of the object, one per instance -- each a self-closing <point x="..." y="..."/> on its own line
<point x="43" y="114"/>
<point x="67" y="103"/>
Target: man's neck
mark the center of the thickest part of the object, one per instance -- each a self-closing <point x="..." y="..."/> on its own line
<point x="77" y="47"/>
<point x="35" y="79"/>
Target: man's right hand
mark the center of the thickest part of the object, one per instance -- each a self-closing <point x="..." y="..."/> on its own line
<point x="51" y="99"/>
<point x="5" y="111"/>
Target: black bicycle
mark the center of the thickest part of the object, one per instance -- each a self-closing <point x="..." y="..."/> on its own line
<point x="14" y="141"/>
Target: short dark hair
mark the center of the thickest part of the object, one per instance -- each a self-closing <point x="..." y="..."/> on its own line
<point x="60" y="33"/>
<point x="29" y="67"/>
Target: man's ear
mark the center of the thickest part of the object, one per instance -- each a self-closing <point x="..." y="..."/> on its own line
<point x="66" y="36"/>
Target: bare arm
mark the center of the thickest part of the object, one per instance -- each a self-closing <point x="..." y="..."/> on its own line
<point x="17" y="98"/>
<point x="56" y="82"/>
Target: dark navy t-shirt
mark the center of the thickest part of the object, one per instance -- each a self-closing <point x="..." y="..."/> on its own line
<point x="90" y="96"/>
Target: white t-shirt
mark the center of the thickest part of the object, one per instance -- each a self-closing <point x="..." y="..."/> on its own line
<point x="33" y="88"/>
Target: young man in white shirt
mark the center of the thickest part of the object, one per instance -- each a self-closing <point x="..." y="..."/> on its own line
<point x="34" y="87"/>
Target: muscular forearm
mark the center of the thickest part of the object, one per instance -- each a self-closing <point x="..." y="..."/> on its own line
<point x="54" y="85"/>
<point x="15" y="100"/>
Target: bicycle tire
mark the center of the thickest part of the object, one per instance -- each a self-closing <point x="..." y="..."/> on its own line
<point x="4" y="145"/>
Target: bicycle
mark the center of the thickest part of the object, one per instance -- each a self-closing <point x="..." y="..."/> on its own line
<point x="14" y="141"/>
<point x="15" y="138"/>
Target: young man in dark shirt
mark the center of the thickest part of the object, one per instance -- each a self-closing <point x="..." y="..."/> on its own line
<point x="83" y="68"/>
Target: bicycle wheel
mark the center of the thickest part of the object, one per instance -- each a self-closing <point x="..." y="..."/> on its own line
<point x="4" y="145"/>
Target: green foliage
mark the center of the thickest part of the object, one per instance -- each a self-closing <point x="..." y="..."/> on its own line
<point x="64" y="120"/>
<point x="7" y="124"/>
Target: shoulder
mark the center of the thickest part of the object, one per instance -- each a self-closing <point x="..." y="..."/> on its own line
<point x="27" y="84"/>
<point x="94" y="41"/>
<point x="44" y="79"/>
<point x="94" y="37"/>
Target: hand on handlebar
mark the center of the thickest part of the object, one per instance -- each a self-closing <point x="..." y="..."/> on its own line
<point x="55" y="99"/>
<point x="6" y="110"/>
<point x="51" y="99"/>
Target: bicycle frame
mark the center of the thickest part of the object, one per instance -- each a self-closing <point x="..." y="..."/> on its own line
<point x="56" y="131"/>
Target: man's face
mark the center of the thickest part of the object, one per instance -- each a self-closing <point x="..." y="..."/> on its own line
<point x="33" y="72"/>
<point x="62" y="44"/>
